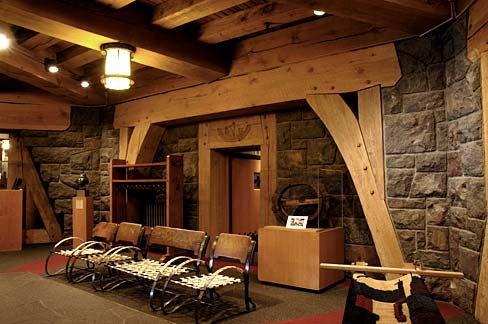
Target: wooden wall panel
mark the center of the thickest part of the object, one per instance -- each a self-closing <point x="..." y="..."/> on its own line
<point x="481" y="311"/>
<point x="11" y="220"/>
<point x="344" y="128"/>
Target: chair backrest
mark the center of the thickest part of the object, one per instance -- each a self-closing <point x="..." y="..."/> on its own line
<point x="129" y="234"/>
<point x="171" y="237"/>
<point x="104" y="232"/>
<point x="233" y="246"/>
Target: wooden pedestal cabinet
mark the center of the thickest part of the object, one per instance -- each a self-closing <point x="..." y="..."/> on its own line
<point x="292" y="256"/>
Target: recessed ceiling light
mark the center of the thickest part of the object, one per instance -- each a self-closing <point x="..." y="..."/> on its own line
<point x="53" y="69"/>
<point x="318" y="12"/>
<point x="85" y="84"/>
<point x="50" y="65"/>
<point x="4" y="41"/>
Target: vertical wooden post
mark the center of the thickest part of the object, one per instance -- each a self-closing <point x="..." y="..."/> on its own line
<point x="344" y="128"/>
<point x="371" y="125"/>
<point x="481" y="311"/>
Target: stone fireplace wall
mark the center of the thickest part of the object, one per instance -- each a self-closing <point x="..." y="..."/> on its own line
<point x="434" y="158"/>
<point x="60" y="157"/>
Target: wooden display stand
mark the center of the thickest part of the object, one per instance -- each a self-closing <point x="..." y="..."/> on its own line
<point x="292" y="256"/>
<point x="11" y="220"/>
<point x="82" y="217"/>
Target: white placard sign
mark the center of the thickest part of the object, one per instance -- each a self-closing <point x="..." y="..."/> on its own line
<point x="79" y="204"/>
<point x="297" y="222"/>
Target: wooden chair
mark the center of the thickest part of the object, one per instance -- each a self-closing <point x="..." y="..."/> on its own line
<point x="180" y="246"/>
<point x="232" y="247"/>
<point x="125" y="244"/>
<point x="102" y="238"/>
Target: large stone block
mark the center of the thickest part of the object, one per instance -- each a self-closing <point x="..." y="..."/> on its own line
<point x="456" y="68"/>
<point x="464" y="295"/>
<point x="399" y="182"/>
<point x="472" y="159"/>
<point x="85" y="116"/>
<point x="53" y="155"/>
<point x="408" y="218"/>
<point x="442" y="136"/>
<point x="473" y="76"/>
<point x="439" y="288"/>
<point x="429" y="185"/>
<point x="476" y="198"/>
<point x="460" y="100"/>
<point x="431" y="162"/>
<point x="190" y="167"/>
<point x="437" y="211"/>
<point x="465" y="129"/>
<point x="403" y="161"/>
<point x="436" y="76"/>
<point x="457" y="217"/>
<point x="469" y="240"/>
<point x="58" y="190"/>
<point x="454" y="164"/>
<point x="299" y="144"/>
<point x="89" y="160"/>
<point x="283" y="136"/>
<point x="356" y="231"/>
<point x="434" y="259"/>
<point x="416" y="102"/>
<point x="50" y="172"/>
<point x="365" y="253"/>
<point x="63" y="206"/>
<point x="438" y="238"/>
<point x="457" y="191"/>
<point x="323" y="151"/>
<point x="426" y="49"/>
<point x="313" y="128"/>
<point x="408" y="244"/>
<point x="391" y="101"/>
<point x="187" y="145"/>
<point x="289" y="115"/>
<point x="413" y="82"/>
<point x="469" y="263"/>
<point x="290" y="160"/>
<point x="454" y="39"/>
<point x="407" y="203"/>
<point x="413" y="133"/>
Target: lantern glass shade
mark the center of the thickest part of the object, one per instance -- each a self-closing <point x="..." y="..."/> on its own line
<point x="117" y="66"/>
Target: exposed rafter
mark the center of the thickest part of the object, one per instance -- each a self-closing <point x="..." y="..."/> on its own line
<point x="116" y="4"/>
<point x="174" y="13"/>
<point x="414" y="16"/>
<point x="90" y="25"/>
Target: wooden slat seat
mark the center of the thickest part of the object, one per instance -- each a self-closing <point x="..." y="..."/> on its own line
<point x="203" y="287"/>
<point x="103" y="236"/>
<point x="184" y="250"/>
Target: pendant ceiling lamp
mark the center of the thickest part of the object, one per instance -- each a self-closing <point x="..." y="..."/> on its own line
<point x="117" y="66"/>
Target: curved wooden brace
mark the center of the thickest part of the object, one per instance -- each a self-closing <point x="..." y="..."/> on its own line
<point x="344" y="128"/>
<point x="144" y="142"/>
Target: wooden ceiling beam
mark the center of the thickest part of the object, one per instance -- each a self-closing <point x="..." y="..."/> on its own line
<point x="250" y="21"/>
<point x="91" y="25"/>
<point x="25" y="66"/>
<point x="116" y="4"/>
<point x="174" y="13"/>
<point x="77" y="56"/>
<point x="39" y="42"/>
<point x="414" y="16"/>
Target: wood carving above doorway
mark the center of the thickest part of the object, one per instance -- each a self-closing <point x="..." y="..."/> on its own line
<point x="213" y="168"/>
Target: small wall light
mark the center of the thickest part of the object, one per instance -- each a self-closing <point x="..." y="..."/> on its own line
<point x="5" y="145"/>
<point x="51" y="65"/>
<point x="4" y="41"/>
<point x="318" y="12"/>
<point x="117" y="66"/>
<point x="84" y="84"/>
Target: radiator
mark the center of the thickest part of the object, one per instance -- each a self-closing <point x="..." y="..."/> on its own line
<point x="155" y="215"/>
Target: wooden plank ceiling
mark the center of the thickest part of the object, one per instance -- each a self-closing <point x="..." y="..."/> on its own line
<point x="179" y="43"/>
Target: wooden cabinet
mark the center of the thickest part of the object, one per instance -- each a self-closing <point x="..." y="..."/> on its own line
<point x="292" y="256"/>
<point x="11" y="220"/>
<point x="132" y="188"/>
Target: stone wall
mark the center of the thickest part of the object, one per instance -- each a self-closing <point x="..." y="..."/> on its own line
<point x="60" y="157"/>
<point x="434" y="158"/>
<point x="305" y="151"/>
<point x="184" y="140"/>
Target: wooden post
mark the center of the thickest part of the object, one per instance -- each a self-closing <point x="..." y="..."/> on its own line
<point x="481" y="311"/>
<point x="344" y="128"/>
<point x="11" y="218"/>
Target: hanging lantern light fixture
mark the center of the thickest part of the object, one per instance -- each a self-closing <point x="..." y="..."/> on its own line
<point x="117" y="66"/>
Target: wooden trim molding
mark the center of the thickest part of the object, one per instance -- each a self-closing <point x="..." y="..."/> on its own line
<point x="213" y="173"/>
